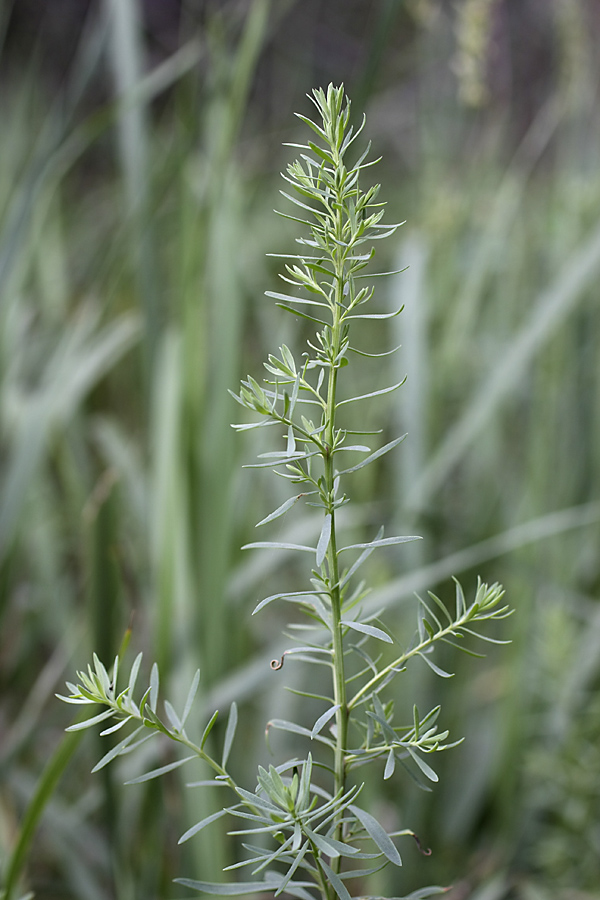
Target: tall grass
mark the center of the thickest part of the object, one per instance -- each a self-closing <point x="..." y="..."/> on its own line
<point x="131" y="300"/>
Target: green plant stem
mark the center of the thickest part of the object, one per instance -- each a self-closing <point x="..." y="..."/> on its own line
<point x="323" y="883"/>
<point x="371" y="685"/>
<point x="180" y="738"/>
<point x="221" y="772"/>
<point x="339" y="676"/>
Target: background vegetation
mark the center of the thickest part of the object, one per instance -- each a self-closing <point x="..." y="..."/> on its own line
<point x="141" y="145"/>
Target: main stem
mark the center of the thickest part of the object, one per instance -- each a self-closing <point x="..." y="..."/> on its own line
<point x="339" y="677"/>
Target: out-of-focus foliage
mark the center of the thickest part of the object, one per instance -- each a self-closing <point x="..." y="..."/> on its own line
<point x="137" y="178"/>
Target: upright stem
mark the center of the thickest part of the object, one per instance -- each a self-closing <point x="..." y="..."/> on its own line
<point x="339" y="677"/>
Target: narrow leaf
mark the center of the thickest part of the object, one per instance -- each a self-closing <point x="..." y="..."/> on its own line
<point x="390" y="765"/>
<point x="155" y="773"/>
<point x="256" y="801"/>
<point x="75" y="700"/>
<point x="384" y="542"/>
<point x="300" y="854"/>
<point x="172" y="716"/>
<point x="370" y="630"/>
<point x="190" y="697"/>
<point x="387" y="390"/>
<point x="209" y="728"/>
<point x="440" y="606"/>
<point x="423" y="893"/>
<point x="291" y="440"/>
<point x="441" y="672"/>
<point x="134" y="673"/>
<point x="361" y="559"/>
<point x="336" y="882"/>
<point x="329" y="845"/>
<point x="284" y="725"/>
<point x="289" y="299"/>
<point x="277" y="545"/>
<point x="324" y="538"/>
<point x="322" y="720"/>
<point x="115" y="727"/>
<point x="117" y="749"/>
<point x="379" y="836"/>
<point x="425" y="769"/>
<point x="200" y="825"/>
<point x="281" y="596"/>
<point x="280" y="510"/>
<point x="461" y="605"/>
<point x="154" y="683"/>
<point x="229" y="890"/>
<point x="375" y="355"/>
<point x="390" y="315"/>
<point x="297" y="312"/>
<point x="79" y="726"/>
<point x="230" y="733"/>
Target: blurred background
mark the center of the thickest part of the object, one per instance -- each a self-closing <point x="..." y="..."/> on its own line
<point x="141" y="145"/>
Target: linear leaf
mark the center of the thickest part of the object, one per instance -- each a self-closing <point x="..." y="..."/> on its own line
<point x="374" y="456"/>
<point x="134" y="674"/>
<point x="336" y="882"/>
<point x="384" y="542"/>
<point x="280" y="510"/>
<point x="441" y="672"/>
<point x="172" y="716"/>
<point x="382" y="274"/>
<point x="387" y="390"/>
<point x="440" y="606"/>
<point x="361" y="559"/>
<point x="425" y="769"/>
<point x="277" y="545"/>
<point x="154" y="684"/>
<point x="230" y="890"/>
<point x="281" y="596"/>
<point x="371" y="630"/>
<point x="284" y="725"/>
<point x="155" y="773"/>
<point x="390" y="765"/>
<point x="279" y="459"/>
<point x="294" y="888"/>
<point x="290" y="299"/>
<point x="297" y="312"/>
<point x="296" y="202"/>
<point x="375" y="355"/>
<point x="356" y="447"/>
<point x="329" y="845"/>
<point x="79" y="726"/>
<point x="423" y="893"/>
<point x="117" y="750"/>
<point x="115" y="727"/>
<point x="200" y="825"/>
<point x="323" y="720"/>
<point x="300" y="854"/>
<point x="229" y="733"/>
<point x="486" y="637"/>
<point x="324" y="538"/>
<point x="190" y="697"/>
<point x="254" y="800"/>
<point x="378" y="834"/>
<point x="209" y="728"/>
<point x="76" y="700"/>
<point x="420" y="894"/>
<point x="390" y="315"/>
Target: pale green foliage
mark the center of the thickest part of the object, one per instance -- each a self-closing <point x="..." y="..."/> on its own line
<point x="321" y="839"/>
